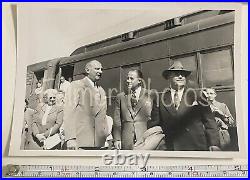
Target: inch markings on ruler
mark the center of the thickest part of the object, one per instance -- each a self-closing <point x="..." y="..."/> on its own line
<point x="126" y="171"/>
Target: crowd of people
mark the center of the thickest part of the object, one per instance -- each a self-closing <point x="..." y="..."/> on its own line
<point x="74" y="117"/>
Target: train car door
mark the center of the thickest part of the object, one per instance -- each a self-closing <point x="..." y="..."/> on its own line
<point x="67" y="72"/>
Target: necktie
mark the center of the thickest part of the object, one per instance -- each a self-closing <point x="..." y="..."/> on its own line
<point x="98" y="95"/>
<point x="133" y="99"/>
<point x="176" y="100"/>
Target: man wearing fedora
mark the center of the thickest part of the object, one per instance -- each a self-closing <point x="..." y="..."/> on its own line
<point x="132" y="111"/>
<point x="184" y="115"/>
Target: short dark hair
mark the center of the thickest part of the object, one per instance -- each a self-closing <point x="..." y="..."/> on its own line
<point x="139" y="73"/>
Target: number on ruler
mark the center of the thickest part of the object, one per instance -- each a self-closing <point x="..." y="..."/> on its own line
<point x="237" y="168"/>
<point x="143" y="169"/>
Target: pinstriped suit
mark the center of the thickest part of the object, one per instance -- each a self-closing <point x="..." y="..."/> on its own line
<point x="129" y="122"/>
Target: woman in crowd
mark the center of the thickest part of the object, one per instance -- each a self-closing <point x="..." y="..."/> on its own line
<point x="47" y="120"/>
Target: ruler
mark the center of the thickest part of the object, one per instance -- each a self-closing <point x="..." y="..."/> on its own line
<point x="125" y="171"/>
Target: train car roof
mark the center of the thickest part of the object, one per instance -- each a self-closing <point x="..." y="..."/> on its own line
<point x="158" y="36"/>
<point x="185" y="19"/>
<point x="43" y="65"/>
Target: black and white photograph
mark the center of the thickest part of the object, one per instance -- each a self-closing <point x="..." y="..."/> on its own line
<point x="164" y="81"/>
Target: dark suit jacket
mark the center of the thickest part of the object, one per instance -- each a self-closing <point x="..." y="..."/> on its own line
<point x="191" y="127"/>
<point x="128" y="122"/>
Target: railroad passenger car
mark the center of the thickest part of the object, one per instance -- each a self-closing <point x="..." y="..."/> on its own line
<point x="203" y="41"/>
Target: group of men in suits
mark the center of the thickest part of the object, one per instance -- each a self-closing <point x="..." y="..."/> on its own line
<point x="186" y="120"/>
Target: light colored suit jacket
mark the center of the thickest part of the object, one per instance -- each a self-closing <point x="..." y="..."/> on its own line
<point x="85" y="114"/>
<point x="54" y="121"/>
<point x="128" y="122"/>
<point x="225" y="119"/>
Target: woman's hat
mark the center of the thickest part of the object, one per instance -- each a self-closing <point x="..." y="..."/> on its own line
<point x="176" y="67"/>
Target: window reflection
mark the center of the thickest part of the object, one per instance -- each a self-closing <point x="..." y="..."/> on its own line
<point x="217" y="68"/>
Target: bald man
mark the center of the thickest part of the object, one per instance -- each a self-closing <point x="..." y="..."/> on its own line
<point x="85" y="111"/>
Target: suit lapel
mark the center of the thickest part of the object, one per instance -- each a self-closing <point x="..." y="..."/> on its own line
<point x="183" y="105"/>
<point x="140" y="101"/>
<point x="92" y="92"/>
<point x="99" y="102"/>
<point x="127" y="98"/>
<point x="53" y="109"/>
<point x="168" y="104"/>
<point x="43" y="108"/>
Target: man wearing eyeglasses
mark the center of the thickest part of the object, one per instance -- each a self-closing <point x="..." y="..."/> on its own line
<point x="186" y="119"/>
<point x="85" y="123"/>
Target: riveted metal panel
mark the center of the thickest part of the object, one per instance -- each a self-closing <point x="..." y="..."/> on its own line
<point x="205" y="39"/>
<point x="184" y="44"/>
<point x="215" y="37"/>
<point x="152" y="72"/>
<point x="111" y="81"/>
<point x="151" y="30"/>
<point x="136" y="55"/>
<point x="79" y="67"/>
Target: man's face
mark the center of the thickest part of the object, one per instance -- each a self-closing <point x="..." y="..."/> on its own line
<point x="94" y="71"/>
<point x="132" y="80"/>
<point x="211" y="94"/>
<point x="177" y="80"/>
<point x="62" y="79"/>
<point x="51" y="99"/>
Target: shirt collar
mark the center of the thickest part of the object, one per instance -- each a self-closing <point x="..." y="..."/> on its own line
<point x="137" y="92"/>
<point x="180" y="93"/>
<point x="173" y="91"/>
<point x="90" y="81"/>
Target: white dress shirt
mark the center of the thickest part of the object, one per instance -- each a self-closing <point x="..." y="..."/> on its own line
<point x="180" y="94"/>
<point x="45" y="116"/>
<point x="137" y="93"/>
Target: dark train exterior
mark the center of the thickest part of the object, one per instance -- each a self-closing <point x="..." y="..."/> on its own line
<point x="202" y="41"/>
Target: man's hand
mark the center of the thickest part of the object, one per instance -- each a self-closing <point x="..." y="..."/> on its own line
<point x="71" y="144"/>
<point x="40" y="137"/>
<point x="118" y="144"/>
<point x="214" y="148"/>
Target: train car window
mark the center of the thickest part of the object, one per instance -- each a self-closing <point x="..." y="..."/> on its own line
<point x="111" y="80"/>
<point x="152" y="72"/>
<point x="190" y="63"/>
<point x="67" y="72"/>
<point x="217" y="68"/>
<point x="38" y="77"/>
<point x="124" y="72"/>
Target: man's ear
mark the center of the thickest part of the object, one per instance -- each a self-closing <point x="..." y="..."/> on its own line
<point x="87" y="70"/>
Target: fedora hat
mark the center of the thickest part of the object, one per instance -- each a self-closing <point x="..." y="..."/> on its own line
<point x="176" y="67"/>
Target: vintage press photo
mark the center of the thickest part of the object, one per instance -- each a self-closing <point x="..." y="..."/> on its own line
<point x="168" y="88"/>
